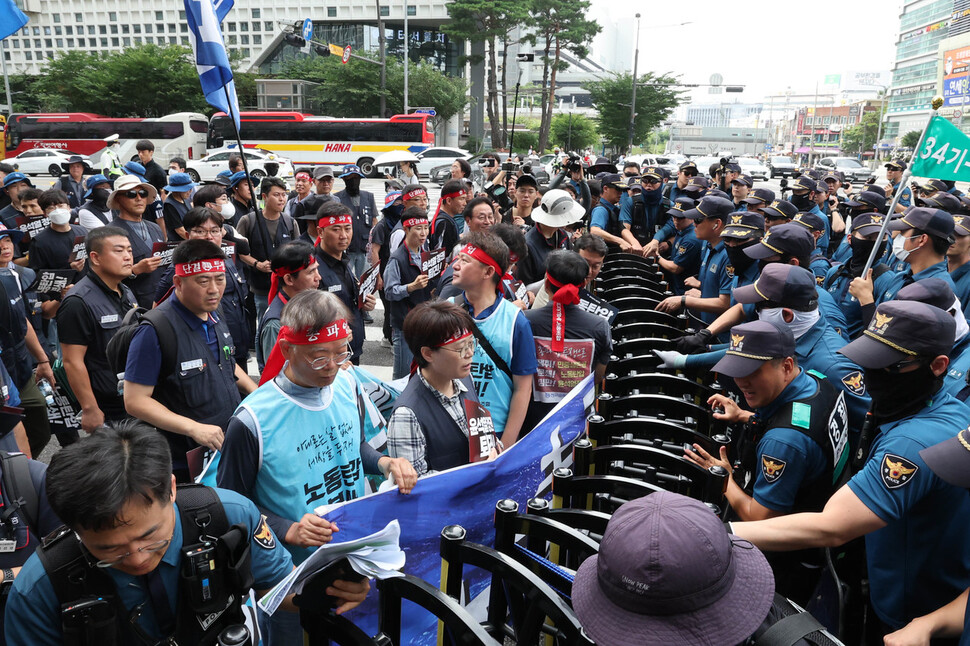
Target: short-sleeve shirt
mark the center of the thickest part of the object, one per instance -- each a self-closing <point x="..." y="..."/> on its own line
<point x="714" y="277"/>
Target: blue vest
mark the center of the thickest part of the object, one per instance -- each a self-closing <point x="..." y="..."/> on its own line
<point x="494" y="387"/>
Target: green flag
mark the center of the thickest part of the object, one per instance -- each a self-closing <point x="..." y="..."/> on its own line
<point x="944" y="153"/>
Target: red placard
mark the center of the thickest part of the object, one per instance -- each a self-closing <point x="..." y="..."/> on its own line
<point x="481" y="432"/>
<point x="433" y="262"/>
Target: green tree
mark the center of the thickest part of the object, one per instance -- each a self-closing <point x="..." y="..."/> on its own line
<point x="558" y="25"/>
<point x="656" y="99"/>
<point x="488" y="21"/>
<point x="861" y="137"/>
<point x="910" y="139"/>
<point x="573" y="131"/>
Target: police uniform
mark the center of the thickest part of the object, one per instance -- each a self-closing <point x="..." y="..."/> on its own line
<point x="932" y="221"/>
<point x="35" y="612"/>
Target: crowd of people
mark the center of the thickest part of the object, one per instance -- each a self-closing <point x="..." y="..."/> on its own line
<point x="214" y="333"/>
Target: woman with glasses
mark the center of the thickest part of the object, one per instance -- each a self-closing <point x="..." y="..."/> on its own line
<point x="430" y="424"/>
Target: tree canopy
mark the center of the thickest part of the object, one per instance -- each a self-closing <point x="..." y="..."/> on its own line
<point x="611" y="97"/>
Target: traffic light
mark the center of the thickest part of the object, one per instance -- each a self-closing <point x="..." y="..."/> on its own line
<point x="322" y="50"/>
<point x="525" y="58"/>
<point x="294" y="40"/>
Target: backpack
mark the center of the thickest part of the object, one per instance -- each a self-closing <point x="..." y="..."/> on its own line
<point x="117" y="349"/>
<point x="788" y="624"/>
<point x="20" y="488"/>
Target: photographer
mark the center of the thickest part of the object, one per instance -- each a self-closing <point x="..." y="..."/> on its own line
<point x="577" y="179"/>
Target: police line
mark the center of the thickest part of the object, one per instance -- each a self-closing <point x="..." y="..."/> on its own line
<point x="463" y="496"/>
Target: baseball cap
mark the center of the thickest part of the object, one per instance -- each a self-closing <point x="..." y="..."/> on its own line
<point x="711" y="207"/>
<point x="902" y="330"/>
<point x="351" y="170"/>
<point x="681" y="206"/>
<point x="950" y="459"/>
<point x="93" y="181"/>
<point x="932" y="221"/>
<point x="391" y="197"/>
<point x="668" y="572"/>
<point x="813" y="173"/>
<point x="309" y="208"/>
<point x="732" y="167"/>
<point x="941" y="200"/>
<point x="784" y="284"/>
<point x="615" y="180"/>
<point x="322" y="171"/>
<point x="558" y="209"/>
<point x="13" y="178"/>
<point x="896" y="165"/>
<point x="744" y="225"/>
<point x="15" y="235"/>
<point x="834" y="175"/>
<point x="933" y="185"/>
<point x="525" y="179"/>
<point x="866" y="223"/>
<point x="688" y="165"/>
<point x="760" y="196"/>
<point x="961" y="225"/>
<point x="655" y="172"/>
<point x="811" y="221"/>
<point x="932" y="291"/>
<point x="752" y="345"/>
<point x="745" y="179"/>
<point x="868" y="198"/>
<point x="804" y="183"/>
<point x="697" y="184"/>
<point x="821" y="187"/>
<point x="239" y="176"/>
<point x="780" y="209"/>
<point x="790" y="238"/>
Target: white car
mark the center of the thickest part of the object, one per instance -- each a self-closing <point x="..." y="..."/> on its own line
<point x="753" y="167"/>
<point x="439" y="156"/>
<point x="206" y="169"/>
<point x="43" y="161"/>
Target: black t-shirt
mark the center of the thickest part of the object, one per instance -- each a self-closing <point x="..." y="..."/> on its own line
<point x="155" y="175"/>
<point x="52" y="249"/>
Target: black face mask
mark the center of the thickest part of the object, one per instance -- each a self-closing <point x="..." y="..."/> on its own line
<point x="100" y="195"/>
<point x="653" y="197"/>
<point x="352" y="186"/>
<point x="861" y="249"/>
<point x="898" y="395"/>
<point x="803" y="202"/>
<point x="738" y="259"/>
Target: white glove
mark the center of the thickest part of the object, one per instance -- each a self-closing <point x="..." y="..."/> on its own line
<point x="671" y="359"/>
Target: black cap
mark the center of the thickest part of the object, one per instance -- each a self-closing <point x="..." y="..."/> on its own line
<point x="615" y="180"/>
<point x="525" y="179"/>
<point x="933" y="185"/>
<point x="745" y="179"/>
<point x="656" y="172"/>
<point x="716" y="192"/>
<point x="810" y="221"/>
<point x="680" y="207"/>
<point x="760" y="196"/>
<point x="941" y="200"/>
<point x="950" y="459"/>
<point x="821" y="187"/>
<point x="902" y="330"/>
<point x="711" y="207"/>
<point x="804" y="183"/>
<point x="602" y="164"/>
<point x="752" y="345"/>
<point x="784" y="284"/>
<point x="813" y="173"/>
<point x="961" y="225"/>
<point x="834" y="175"/>
<point x="868" y="198"/>
<point x="896" y="165"/>
<point x="744" y="225"/>
<point x="866" y="223"/>
<point x="780" y="209"/>
<point x="687" y="165"/>
<point x="732" y="167"/>
<point x="932" y="221"/>
<point x="932" y="291"/>
<point x="792" y="239"/>
<point x="697" y="184"/>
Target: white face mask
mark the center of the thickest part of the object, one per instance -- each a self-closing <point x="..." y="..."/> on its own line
<point x="799" y="325"/>
<point x="228" y="211"/>
<point x="898" y="250"/>
<point x="60" y="216"/>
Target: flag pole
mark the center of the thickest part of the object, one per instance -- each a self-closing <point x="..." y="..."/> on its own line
<point x="937" y="102"/>
<point x="242" y="153"/>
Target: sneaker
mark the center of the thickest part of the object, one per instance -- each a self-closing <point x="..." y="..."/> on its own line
<point x="367" y="318"/>
<point x="386" y="343"/>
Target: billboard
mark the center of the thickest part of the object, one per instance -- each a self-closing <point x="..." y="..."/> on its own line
<point x="956" y="76"/>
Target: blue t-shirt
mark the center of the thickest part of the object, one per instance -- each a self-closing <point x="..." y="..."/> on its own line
<point x="34" y="617"/>
<point x="714" y="276"/>
<point x="667" y="231"/>
<point x="906" y="197"/>
<point x="823" y="242"/>
<point x="685" y="252"/>
<point x="920" y="560"/>
<point x="601" y="217"/>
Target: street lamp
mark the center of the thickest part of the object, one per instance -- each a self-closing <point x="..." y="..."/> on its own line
<point x="882" y="112"/>
<point x="633" y="102"/>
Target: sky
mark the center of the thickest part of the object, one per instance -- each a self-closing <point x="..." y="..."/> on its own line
<point x="766" y="47"/>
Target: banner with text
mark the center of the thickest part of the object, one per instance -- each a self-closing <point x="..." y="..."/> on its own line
<point x="944" y="153"/>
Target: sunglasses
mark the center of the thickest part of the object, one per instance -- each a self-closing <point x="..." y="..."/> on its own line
<point x="133" y="194"/>
<point x="689" y="173"/>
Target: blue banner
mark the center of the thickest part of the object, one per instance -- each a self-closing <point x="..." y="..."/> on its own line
<point x="463" y="496"/>
<point x="11" y="18"/>
<point x="211" y="59"/>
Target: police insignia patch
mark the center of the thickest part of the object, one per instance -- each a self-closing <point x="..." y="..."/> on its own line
<point x="772" y="468"/>
<point x="897" y="471"/>
<point x="855" y="383"/>
<point x="263" y="536"/>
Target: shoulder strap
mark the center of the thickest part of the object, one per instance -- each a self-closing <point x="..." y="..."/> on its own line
<point x="789" y="630"/>
<point x="167" y="340"/>
<point x="20" y="487"/>
<point x="489" y="350"/>
<point x="68" y="569"/>
<point x="202" y="513"/>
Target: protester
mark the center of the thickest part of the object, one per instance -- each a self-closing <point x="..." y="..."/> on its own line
<point x="72" y="182"/>
<point x="94" y="212"/>
<point x="406" y="284"/>
<point x="363" y="211"/>
<point x="177" y="204"/>
<point x="448" y="223"/>
<point x="131" y="198"/>
<point x="294" y="270"/>
<point x="556" y="211"/>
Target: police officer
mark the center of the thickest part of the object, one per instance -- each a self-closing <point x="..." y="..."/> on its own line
<point x="804" y="190"/>
<point x="648" y="209"/>
<point x="894" y="173"/>
<point x="757" y="199"/>
<point x="896" y="501"/>
<point x="191" y="398"/>
<point x="863" y="237"/>
<point x="818" y="262"/>
<point x="958" y="259"/>
<point x="685" y="249"/>
<point x="110" y="162"/>
<point x="685" y="173"/>
<point x="124" y="565"/>
<point x="605" y="219"/>
<point x="778" y="212"/>
<point x="795" y="443"/>
<point x="740" y="186"/>
<point x="744" y="229"/>
<point x="865" y="202"/>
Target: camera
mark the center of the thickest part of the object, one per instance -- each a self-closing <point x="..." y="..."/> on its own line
<point x="575" y="163"/>
<point x="527" y="169"/>
<point x="509" y="166"/>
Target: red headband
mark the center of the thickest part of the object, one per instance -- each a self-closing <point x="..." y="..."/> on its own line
<point x="413" y="193"/>
<point x="302" y="176"/>
<point x="277" y="277"/>
<point x="332" y="332"/>
<point x="481" y="256"/>
<point x="452" y="195"/>
<point x="410" y="222"/>
<point x="333" y="220"/>
<point x="212" y="265"/>
<point x="513" y="258"/>
<point x="457" y="336"/>
<point x="565" y="295"/>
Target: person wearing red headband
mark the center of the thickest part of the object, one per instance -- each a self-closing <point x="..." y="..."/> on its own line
<point x="294" y="270"/>
<point x="505" y="360"/>
<point x="303" y="181"/>
<point x="430" y="422"/>
<point x="335" y="230"/>
<point x="568" y="338"/>
<point x="191" y="401"/>
<point x="406" y="283"/>
<point x="448" y="223"/>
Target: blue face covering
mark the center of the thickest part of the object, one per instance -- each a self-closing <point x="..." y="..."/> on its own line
<point x="653" y="197"/>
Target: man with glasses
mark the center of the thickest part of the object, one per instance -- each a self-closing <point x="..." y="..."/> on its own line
<point x="894" y="173"/>
<point x="686" y="172"/>
<point x="191" y="401"/>
<point x="131" y="198"/>
<point x="130" y="532"/>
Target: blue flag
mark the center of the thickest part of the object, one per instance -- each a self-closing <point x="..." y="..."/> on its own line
<point x="11" y="18"/>
<point x="211" y="58"/>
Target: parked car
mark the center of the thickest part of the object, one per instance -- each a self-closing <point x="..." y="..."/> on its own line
<point x="781" y="166"/>
<point x="753" y="167"/>
<point x="431" y="158"/>
<point x="43" y="161"/>
<point x="206" y="169"/>
<point x="442" y="174"/>
<point x="850" y="168"/>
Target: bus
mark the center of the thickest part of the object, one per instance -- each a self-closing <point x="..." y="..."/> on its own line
<point x="181" y="134"/>
<point x="308" y="140"/>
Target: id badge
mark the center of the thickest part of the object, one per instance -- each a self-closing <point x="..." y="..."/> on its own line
<point x="7" y="545"/>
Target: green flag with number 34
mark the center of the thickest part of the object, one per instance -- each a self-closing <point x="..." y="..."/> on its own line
<point x="944" y="153"/>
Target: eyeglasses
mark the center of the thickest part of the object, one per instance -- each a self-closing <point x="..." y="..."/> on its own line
<point x="157" y="546"/>
<point x="650" y="181"/>
<point x="466" y="349"/>
<point x="133" y="194"/>
<point x="206" y="232"/>
<point x="321" y="362"/>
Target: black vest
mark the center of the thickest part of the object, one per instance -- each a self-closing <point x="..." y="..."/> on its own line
<point x="340" y="281"/>
<point x="13" y="331"/>
<point x="446" y="444"/>
<point x="533" y="267"/>
<point x="143" y="285"/>
<point x="180" y="209"/>
<point x="74" y="198"/>
<point x="208" y="394"/>
<point x="409" y="271"/>
<point x="272" y="313"/>
<point x="261" y="246"/>
<point x="233" y="307"/>
<point x="106" y="315"/>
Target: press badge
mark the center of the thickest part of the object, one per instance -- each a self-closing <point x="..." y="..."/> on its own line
<point x="7" y="545"/>
<point x="109" y="318"/>
<point x="195" y="364"/>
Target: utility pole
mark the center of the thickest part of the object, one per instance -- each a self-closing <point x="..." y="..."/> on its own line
<point x="406" y="59"/>
<point x="382" y="41"/>
<point x="633" y="102"/>
<point x="882" y="112"/>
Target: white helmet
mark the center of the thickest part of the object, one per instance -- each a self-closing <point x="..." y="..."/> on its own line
<point x="558" y="209"/>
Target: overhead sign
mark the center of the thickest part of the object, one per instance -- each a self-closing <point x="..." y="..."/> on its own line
<point x="336" y="50"/>
<point x="346" y="56"/>
<point x="307" y="30"/>
<point x="428" y="111"/>
<point x="956" y="76"/>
